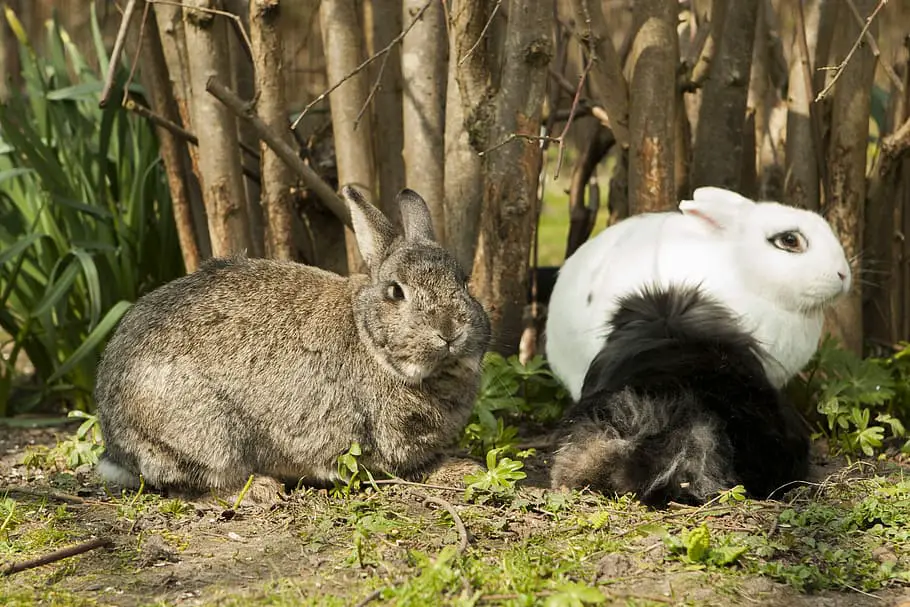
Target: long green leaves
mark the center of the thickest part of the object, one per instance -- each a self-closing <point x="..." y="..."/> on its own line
<point x="85" y="221"/>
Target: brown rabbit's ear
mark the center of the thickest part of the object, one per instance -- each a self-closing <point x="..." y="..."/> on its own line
<point x="373" y="230"/>
<point x="415" y="216"/>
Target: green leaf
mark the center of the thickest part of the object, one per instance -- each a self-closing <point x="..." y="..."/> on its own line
<point x="94" y="339"/>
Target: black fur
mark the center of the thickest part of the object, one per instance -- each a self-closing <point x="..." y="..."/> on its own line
<point x="676" y="406"/>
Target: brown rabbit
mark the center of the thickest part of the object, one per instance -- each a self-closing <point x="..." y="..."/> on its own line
<point x="266" y="367"/>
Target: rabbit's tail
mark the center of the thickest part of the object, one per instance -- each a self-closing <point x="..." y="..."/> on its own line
<point x="116" y="474"/>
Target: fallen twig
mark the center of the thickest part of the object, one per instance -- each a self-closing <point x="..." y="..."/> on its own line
<point x="363" y="65"/>
<point x="369" y="598"/>
<point x="312" y="180"/>
<point x="400" y="481"/>
<point x="873" y="46"/>
<point x="53" y="495"/>
<point x="117" y="51"/>
<point x="456" y="518"/>
<point x="57" y="555"/>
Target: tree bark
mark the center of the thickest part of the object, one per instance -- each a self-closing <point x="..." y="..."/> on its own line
<point x="173" y="42"/>
<point x="423" y="62"/>
<point x="174" y="153"/>
<point x="271" y="105"/>
<point x="468" y="86"/>
<point x="384" y="18"/>
<point x="847" y="167"/>
<point x="654" y="97"/>
<point x="243" y="76"/>
<point x="801" y="186"/>
<point x="220" y="170"/>
<point x="718" y="155"/>
<point x="500" y="271"/>
<point x="342" y="37"/>
<point x="608" y="85"/>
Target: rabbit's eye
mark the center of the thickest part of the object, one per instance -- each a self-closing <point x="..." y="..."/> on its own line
<point x="793" y="242"/>
<point x="395" y="292"/>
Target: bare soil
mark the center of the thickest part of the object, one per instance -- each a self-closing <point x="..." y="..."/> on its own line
<point x="316" y="548"/>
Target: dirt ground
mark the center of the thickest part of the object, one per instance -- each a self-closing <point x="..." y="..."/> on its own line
<point x="319" y="549"/>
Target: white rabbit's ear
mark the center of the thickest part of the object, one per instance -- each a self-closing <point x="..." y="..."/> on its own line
<point x="716" y="206"/>
<point x="373" y="230"/>
<point x="415" y="216"/>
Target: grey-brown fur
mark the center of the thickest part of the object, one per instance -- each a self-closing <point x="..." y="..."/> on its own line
<point x="256" y="366"/>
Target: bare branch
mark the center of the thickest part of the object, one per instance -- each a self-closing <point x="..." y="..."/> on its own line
<point x="866" y="24"/>
<point x="237" y="23"/>
<point x="119" y="43"/>
<point x="873" y="45"/>
<point x="483" y="33"/>
<point x="456" y="519"/>
<point x="362" y="66"/>
<point x="245" y="110"/>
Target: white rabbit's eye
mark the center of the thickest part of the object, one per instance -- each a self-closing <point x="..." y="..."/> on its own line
<point x="395" y="292"/>
<point x="793" y="242"/>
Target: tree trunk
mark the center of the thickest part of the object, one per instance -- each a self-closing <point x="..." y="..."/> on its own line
<point x="220" y="170"/>
<point x="801" y="184"/>
<point x="608" y="85"/>
<point x="271" y="105"/>
<point x="847" y="167"/>
<point x="384" y="18"/>
<point x="342" y="37"/>
<point x="654" y="97"/>
<point x="174" y="153"/>
<point x="511" y="171"/>
<point x="468" y="86"/>
<point x="243" y="81"/>
<point x="423" y="62"/>
<point x="173" y="42"/>
<point x="718" y="155"/>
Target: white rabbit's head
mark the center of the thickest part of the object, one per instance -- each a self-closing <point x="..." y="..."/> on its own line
<point x="786" y="254"/>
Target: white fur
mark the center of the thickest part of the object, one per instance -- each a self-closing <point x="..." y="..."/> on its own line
<point x="116" y="475"/>
<point x="720" y="240"/>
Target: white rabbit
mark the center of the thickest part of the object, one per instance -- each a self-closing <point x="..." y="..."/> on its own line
<point x="776" y="267"/>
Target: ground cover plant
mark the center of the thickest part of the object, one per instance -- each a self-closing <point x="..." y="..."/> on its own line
<point x="484" y="529"/>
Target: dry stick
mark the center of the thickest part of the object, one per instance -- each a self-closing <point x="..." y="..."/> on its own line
<point x="873" y="46"/>
<point x="562" y="137"/>
<point x="57" y="556"/>
<point x="373" y="90"/>
<point x="119" y="43"/>
<point x="313" y="181"/>
<point x="370" y="598"/>
<point x="238" y="24"/>
<point x="859" y="39"/>
<point x="54" y="495"/>
<point x="399" y="481"/>
<point x="456" y="518"/>
<point x="129" y="79"/>
<point x="483" y="33"/>
<point x="363" y="65"/>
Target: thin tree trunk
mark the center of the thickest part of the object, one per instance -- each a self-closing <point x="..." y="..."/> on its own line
<point x="384" y="18"/>
<point x="216" y="127"/>
<point x="423" y="62"/>
<point x="271" y="104"/>
<point x="718" y="154"/>
<point x="801" y="184"/>
<point x="511" y="171"/>
<point x="608" y="85"/>
<point x="654" y="97"/>
<point x="468" y="86"/>
<point x="342" y="38"/>
<point x="243" y="78"/>
<point x="847" y="166"/>
<point x="174" y="153"/>
<point x="172" y="32"/>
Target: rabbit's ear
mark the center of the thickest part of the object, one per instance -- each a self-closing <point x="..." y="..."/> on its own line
<point x="373" y="230"/>
<point x="716" y="206"/>
<point x="415" y="216"/>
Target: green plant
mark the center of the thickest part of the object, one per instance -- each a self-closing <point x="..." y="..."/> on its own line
<point x="498" y="481"/>
<point x="862" y="401"/>
<point x="695" y="546"/>
<point x="509" y="392"/>
<point x="84" y="447"/>
<point x="85" y="218"/>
